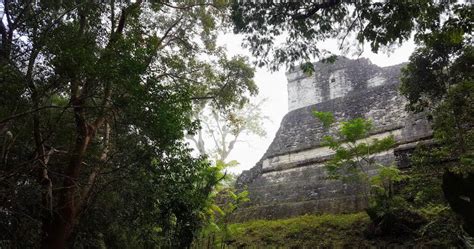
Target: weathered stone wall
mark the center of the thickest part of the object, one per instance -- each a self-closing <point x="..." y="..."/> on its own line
<point x="290" y="178"/>
<point x="331" y="81"/>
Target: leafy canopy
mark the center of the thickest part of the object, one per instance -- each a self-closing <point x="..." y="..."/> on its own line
<point x="95" y="101"/>
<point x="302" y="25"/>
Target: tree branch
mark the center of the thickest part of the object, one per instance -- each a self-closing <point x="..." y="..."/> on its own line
<point x="316" y="8"/>
<point x="29" y="112"/>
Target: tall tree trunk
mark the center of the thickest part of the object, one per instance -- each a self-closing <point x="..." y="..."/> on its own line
<point x="58" y="230"/>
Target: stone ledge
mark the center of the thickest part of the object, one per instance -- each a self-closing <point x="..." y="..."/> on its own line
<point x="404" y="143"/>
<point x="291" y="209"/>
<point x="299" y="130"/>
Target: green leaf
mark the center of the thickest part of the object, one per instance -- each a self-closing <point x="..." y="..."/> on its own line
<point x="326" y="118"/>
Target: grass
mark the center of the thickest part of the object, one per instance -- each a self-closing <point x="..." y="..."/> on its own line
<point x="308" y="231"/>
<point x="333" y="231"/>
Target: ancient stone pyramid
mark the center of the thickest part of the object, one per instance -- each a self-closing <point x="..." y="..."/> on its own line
<point x="290" y="178"/>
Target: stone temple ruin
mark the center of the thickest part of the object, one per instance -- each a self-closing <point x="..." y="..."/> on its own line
<point x="290" y="178"/>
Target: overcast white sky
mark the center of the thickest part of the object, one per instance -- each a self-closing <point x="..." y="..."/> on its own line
<point x="272" y="86"/>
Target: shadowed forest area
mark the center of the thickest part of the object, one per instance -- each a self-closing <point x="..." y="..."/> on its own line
<point x="117" y="119"/>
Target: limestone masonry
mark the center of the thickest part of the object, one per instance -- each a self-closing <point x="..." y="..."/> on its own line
<point x="290" y="178"/>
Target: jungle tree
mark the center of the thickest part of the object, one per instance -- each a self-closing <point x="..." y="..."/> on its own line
<point x="77" y="77"/>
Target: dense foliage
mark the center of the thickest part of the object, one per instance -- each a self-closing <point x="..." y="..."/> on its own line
<point x="327" y="230"/>
<point x="95" y="100"/>
<point x="335" y="231"/>
<point x="439" y="81"/>
<point x="401" y="205"/>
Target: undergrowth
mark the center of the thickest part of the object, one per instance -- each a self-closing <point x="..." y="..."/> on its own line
<point x="332" y="231"/>
<point x="309" y="231"/>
